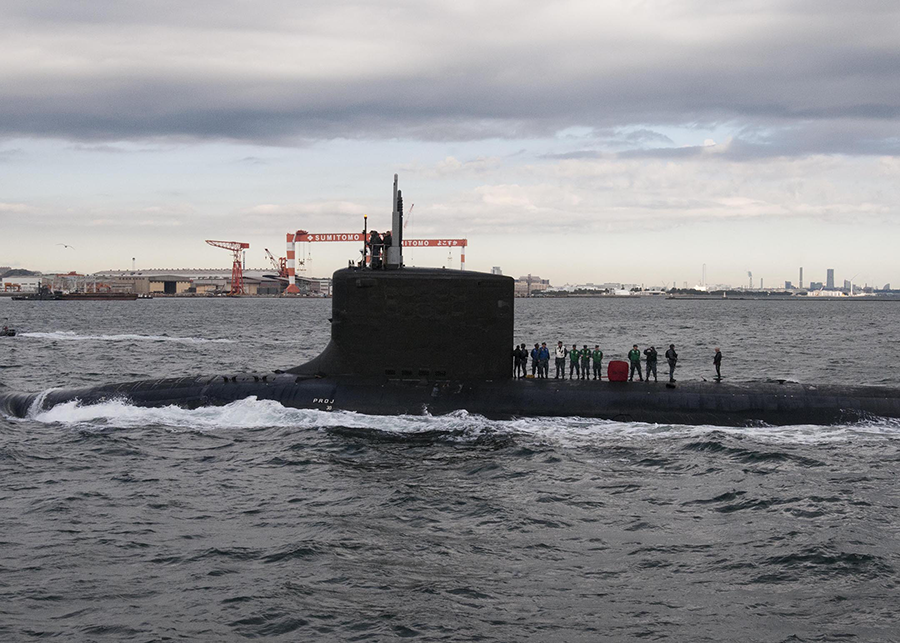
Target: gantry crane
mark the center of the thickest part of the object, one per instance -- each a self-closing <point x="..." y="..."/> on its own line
<point x="303" y="236"/>
<point x="237" y="270"/>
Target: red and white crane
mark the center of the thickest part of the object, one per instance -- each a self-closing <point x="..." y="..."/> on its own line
<point x="237" y="269"/>
<point x="279" y="264"/>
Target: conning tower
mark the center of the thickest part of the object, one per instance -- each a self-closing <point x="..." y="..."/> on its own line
<point x="417" y="323"/>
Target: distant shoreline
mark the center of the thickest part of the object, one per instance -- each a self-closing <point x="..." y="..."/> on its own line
<point x="719" y="297"/>
<point x="867" y="298"/>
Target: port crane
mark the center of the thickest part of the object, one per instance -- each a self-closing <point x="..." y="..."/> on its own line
<point x="237" y="268"/>
<point x="279" y="264"/>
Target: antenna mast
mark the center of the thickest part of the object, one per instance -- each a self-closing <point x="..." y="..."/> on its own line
<point x="394" y="254"/>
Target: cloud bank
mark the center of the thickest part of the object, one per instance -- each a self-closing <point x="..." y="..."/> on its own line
<point x="792" y="76"/>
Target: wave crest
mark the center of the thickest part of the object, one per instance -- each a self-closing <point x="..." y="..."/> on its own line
<point x="65" y="335"/>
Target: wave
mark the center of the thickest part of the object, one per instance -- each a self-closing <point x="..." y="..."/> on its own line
<point x="252" y="413"/>
<point x="71" y="336"/>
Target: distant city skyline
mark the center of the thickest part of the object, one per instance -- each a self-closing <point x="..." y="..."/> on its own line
<point x="632" y="141"/>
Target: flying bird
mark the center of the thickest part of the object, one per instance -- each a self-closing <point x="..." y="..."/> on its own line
<point x="65" y="245"/>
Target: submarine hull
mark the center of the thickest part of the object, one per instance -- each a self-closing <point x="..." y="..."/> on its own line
<point x="691" y="403"/>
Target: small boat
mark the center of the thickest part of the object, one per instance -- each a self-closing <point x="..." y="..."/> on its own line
<point x="43" y="294"/>
<point x="6" y="331"/>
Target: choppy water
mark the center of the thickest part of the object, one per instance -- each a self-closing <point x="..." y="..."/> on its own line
<point x="256" y="521"/>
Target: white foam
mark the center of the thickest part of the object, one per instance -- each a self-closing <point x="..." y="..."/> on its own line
<point x="460" y="425"/>
<point x="245" y="414"/>
<point x="64" y="335"/>
<point x="248" y="413"/>
<point x="37" y="403"/>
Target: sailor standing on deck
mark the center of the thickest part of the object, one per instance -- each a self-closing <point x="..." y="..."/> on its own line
<point x="561" y="352"/>
<point x="523" y="360"/>
<point x="634" y="356"/>
<point x="574" y="355"/>
<point x="672" y="359"/>
<point x="651" y="363"/>
<point x="717" y="360"/>
<point x="544" y="355"/>
<point x="585" y="363"/>
<point x="597" y="356"/>
<point x="535" y="359"/>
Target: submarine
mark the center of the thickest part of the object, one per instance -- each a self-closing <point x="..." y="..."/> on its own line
<point x="434" y="341"/>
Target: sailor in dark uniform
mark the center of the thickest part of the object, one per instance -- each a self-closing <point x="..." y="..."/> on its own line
<point x="375" y="246"/>
<point x="651" y="362"/>
<point x="387" y="241"/>
<point x="672" y="359"/>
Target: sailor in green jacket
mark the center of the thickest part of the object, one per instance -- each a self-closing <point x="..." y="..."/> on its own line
<point x="597" y="356"/>
<point x="634" y="356"/>
<point x="585" y="363"/>
<point x="574" y="356"/>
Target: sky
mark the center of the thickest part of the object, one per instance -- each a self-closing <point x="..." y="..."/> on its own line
<point x="584" y="141"/>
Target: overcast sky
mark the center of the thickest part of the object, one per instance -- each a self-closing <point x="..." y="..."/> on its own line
<point x="629" y="140"/>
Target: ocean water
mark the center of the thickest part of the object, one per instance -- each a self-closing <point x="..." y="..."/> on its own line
<point x="253" y="521"/>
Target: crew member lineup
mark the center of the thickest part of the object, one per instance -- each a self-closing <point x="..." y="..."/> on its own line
<point x="586" y="363"/>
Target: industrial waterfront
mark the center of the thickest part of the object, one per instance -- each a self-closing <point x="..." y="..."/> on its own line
<point x="260" y="282"/>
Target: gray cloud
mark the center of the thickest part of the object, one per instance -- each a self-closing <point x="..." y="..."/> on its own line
<point x="11" y="154"/>
<point x="577" y="154"/>
<point x="799" y="76"/>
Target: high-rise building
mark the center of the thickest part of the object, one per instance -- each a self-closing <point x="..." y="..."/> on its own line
<point x="788" y="285"/>
<point x="801" y="277"/>
<point x="829" y="279"/>
<point x="847" y="284"/>
<point x="496" y="270"/>
<point x="526" y="286"/>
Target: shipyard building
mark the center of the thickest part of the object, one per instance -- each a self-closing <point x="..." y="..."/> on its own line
<point x="163" y="282"/>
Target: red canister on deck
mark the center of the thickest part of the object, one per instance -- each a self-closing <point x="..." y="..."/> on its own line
<point x="617" y="371"/>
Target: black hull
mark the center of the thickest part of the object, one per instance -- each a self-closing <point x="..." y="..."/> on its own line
<point x="691" y="403"/>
